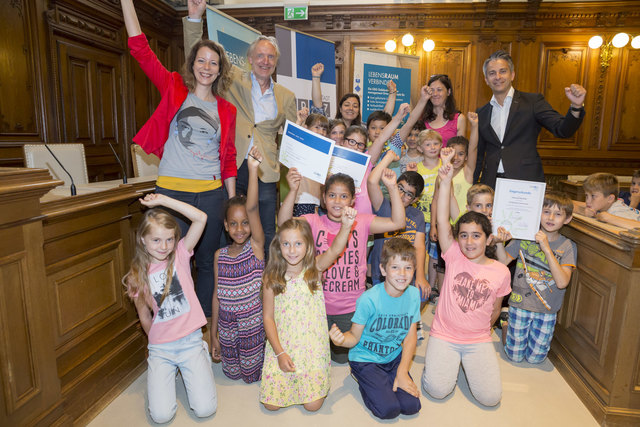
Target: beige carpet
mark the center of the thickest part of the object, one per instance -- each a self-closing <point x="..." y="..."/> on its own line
<point x="533" y="395"/>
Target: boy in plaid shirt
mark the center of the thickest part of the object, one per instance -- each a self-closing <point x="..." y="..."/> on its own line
<point x="543" y="272"/>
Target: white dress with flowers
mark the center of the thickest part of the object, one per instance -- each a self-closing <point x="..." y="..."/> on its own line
<point x="301" y="321"/>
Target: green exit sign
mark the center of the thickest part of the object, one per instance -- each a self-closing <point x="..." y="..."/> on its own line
<point x="296" y="13"/>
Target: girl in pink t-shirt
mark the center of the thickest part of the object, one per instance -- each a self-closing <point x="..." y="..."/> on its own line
<point x="159" y="283"/>
<point x="470" y="302"/>
<point x="344" y="281"/>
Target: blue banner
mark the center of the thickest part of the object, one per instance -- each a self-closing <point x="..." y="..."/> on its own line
<point x="375" y="92"/>
<point x="234" y="35"/>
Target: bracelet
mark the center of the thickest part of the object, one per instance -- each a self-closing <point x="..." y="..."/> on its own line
<point x="280" y="354"/>
<point x="315" y="77"/>
<point x="580" y="108"/>
<point x="391" y="93"/>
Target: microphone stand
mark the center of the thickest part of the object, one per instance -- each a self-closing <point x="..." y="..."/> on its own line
<point x="73" y="186"/>
<point x="124" y="174"/>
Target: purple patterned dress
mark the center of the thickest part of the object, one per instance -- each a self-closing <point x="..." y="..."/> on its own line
<point x="240" y="327"/>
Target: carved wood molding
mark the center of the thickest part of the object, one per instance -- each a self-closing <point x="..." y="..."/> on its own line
<point x="85" y="28"/>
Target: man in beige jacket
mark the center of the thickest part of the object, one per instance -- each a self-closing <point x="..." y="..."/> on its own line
<point x="263" y="106"/>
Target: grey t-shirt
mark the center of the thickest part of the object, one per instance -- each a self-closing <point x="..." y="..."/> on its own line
<point x="192" y="148"/>
<point x="538" y="274"/>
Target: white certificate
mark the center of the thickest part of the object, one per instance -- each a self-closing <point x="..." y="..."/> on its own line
<point x="309" y="152"/>
<point x="350" y="162"/>
<point x="517" y="206"/>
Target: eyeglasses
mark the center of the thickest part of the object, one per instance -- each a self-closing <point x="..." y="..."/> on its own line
<point x="354" y="143"/>
<point x="406" y="193"/>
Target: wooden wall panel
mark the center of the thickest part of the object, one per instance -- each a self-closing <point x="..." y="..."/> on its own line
<point x="626" y="126"/>
<point x="20" y="375"/>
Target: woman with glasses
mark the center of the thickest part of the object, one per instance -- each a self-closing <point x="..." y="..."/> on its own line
<point x="440" y="113"/>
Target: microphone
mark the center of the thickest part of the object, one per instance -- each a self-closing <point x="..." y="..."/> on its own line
<point x="124" y="174"/>
<point x="73" y="186"/>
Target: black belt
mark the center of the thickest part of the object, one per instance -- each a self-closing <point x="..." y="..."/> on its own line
<point x="501" y="175"/>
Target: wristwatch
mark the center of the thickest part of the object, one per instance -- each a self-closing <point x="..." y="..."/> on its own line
<point x="577" y="109"/>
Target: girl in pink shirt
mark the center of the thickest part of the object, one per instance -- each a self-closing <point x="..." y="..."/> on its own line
<point x="470" y="302"/>
<point x="344" y="281"/>
<point x="159" y="283"/>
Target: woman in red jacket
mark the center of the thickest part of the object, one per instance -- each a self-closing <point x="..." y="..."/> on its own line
<point x="193" y="132"/>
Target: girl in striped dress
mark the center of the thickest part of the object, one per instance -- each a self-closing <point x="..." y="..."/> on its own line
<point x="237" y="333"/>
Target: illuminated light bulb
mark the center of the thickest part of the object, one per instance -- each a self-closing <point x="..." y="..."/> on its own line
<point x="620" y="40"/>
<point x="390" y="46"/>
<point x="407" y="39"/>
<point x="595" y="42"/>
<point x="428" y="45"/>
<point x="635" y="42"/>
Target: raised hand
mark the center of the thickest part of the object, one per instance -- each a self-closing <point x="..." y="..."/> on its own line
<point x="317" y="69"/>
<point x="302" y="114"/>
<point x="388" y="177"/>
<point x="152" y="200"/>
<point x="412" y="167"/>
<point x="196" y="8"/>
<point x="293" y="179"/>
<point x="473" y="118"/>
<point x="336" y="335"/>
<point x="425" y="93"/>
<point x="576" y="94"/>
<point x="403" y="110"/>
<point x="445" y="173"/>
<point x="255" y="158"/>
<point x="391" y="156"/>
<point x="446" y="154"/>
<point x="348" y="216"/>
<point x="391" y="86"/>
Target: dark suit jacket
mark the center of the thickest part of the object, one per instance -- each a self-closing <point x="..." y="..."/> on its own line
<point x="529" y="112"/>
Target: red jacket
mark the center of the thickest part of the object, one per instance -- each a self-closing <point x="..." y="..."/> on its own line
<point x="153" y="135"/>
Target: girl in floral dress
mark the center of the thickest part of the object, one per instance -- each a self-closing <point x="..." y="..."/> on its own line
<point x="297" y="357"/>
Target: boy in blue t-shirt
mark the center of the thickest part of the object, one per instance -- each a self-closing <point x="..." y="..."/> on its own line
<point x="383" y="336"/>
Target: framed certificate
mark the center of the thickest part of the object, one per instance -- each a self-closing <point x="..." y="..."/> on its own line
<point x="517" y="206"/>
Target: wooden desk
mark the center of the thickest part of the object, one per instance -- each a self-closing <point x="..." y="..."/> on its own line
<point x="70" y="339"/>
<point x="576" y="192"/>
<point x="596" y="345"/>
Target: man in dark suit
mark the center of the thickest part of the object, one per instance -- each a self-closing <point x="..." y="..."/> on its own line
<point x="510" y="123"/>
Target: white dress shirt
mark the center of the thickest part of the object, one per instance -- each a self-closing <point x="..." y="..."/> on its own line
<point x="264" y="105"/>
<point x="499" y="116"/>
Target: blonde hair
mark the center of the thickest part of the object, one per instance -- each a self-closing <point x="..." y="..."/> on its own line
<point x="274" y="272"/>
<point x="429" y="134"/>
<point x="478" y="189"/>
<point x="136" y="281"/>
<point x="605" y="183"/>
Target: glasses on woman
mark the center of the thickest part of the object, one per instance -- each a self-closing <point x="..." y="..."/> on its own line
<point x="354" y="143"/>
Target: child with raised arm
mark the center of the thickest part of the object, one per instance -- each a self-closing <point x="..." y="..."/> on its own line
<point x="308" y="199"/>
<point x="383" y="338"/>
<point x="345" y="280"/>
<point x="237" y="333"/>
<point x="159" y="283"/>
<point x="410" y="185"/>
<point x="543" y="272"/>
<point x="470" y="301"/>
<point x="297" y="361"/>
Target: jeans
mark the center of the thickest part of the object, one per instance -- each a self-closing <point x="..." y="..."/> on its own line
<point x="210" y="202"/>
<point x="191" y="356"/>
<point x="267" y="203"/>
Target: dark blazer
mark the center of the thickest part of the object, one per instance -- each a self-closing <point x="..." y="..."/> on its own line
<point x="529" y="112"/>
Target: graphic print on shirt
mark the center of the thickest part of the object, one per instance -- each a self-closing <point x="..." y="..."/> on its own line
<point x="197" y="130"/>
<point x="470" y="293"/>
<point x="408" y="232"/>
<point x="175" y="304"/>
<point x="343" y="275"/>
<point x="385" y="331"/>
<point x="537" y="272"/>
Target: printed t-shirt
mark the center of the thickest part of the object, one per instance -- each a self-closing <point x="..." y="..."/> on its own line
<point x="386" y="321"/>
<point x="429" y="176"/>
<point x="538" y="274"/>
<point x="362" y="202"/>
<point x="345" y="280"/>
<point x="618" y="208"/>
<point x="414" y="221"/>
<point x="180" y="313"/>
<point x="469" y="291"/>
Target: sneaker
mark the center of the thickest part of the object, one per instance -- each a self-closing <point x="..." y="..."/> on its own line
<point x="503" y="319"/>
<point x="420" y="331"/>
